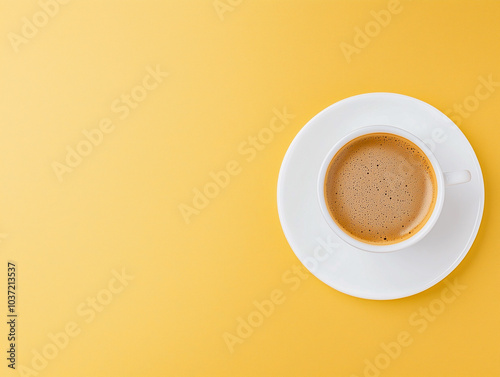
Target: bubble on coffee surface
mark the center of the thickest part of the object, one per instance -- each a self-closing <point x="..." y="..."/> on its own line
<point x="380" y="188"/>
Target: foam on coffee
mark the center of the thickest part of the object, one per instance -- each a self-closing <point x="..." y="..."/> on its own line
<point x="380" y="188"/>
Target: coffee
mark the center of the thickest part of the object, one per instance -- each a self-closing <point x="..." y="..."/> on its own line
<point x="380" y="188"/>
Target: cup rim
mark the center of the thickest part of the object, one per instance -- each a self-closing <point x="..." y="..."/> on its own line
<point x="431" y="221"/>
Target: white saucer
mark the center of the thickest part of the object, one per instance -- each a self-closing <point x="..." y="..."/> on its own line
<point x="379" y="276"/>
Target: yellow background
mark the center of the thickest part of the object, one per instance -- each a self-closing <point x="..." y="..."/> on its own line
<point x="119" y="208"/>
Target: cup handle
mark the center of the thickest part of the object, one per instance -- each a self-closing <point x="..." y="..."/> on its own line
<point x="456" y="177"/>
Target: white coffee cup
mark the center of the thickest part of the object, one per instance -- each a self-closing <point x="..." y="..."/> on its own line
<point x="442" y="180"/>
